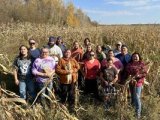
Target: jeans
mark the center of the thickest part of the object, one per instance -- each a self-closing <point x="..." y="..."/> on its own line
<point x="41" y="86"/>
<point x="136" y="98"/>
<point x="27" y="86"/>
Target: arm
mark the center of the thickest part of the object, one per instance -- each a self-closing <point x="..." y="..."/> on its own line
<point x="142" y="72"/>
<point x="60" y="53"/>
<point x="116" y="76"/>
<point x="121" y="67"/>
<point x="36" y="72"/>
<point x="15" y="71"/>
<point x="115" y="79"/>
<point x="76" y="67"/>
<point x="60" y="70"/>
<point x="15" y="76"/>
<point x="101" y="77"/>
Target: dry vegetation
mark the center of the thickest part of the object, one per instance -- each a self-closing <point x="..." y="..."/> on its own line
<point x="145" y="39"/>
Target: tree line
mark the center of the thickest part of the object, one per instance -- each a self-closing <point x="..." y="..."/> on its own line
<point x="43" y="11"/>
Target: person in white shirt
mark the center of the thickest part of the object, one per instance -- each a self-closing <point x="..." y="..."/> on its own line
<point x="117" y="50"/>
<point x="54" y="50"/>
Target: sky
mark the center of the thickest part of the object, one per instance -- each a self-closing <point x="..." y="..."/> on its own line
<point x="120" y="11"/>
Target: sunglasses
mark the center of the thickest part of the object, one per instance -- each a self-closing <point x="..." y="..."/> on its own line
<point x="32" y="43"/>
<point x="118" y="44"/>
<point x="91" y="54"/>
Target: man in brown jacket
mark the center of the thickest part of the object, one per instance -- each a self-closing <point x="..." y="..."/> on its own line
<point x="67" y="69"/>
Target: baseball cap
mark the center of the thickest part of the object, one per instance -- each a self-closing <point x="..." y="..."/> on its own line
<point x="52" y="39"/>
<point x="59" y="38"/>
<point x="119" y="43"/>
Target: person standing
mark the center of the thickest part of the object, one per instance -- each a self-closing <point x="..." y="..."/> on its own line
<point x="33" y="50"/>
<point x="116" y="62"/>
<point x="117" y="50"/>
<point x="60" y="44"/>
<point x="137" y="70"/>
<point x="91" y="72"/>
<point x="86" y="55"/>
<point x="124" y="57"/>
<point x="67" y="69"/>
<point x="100" y="55"/>
<point x="43" y="69"/>
<point x="22" y="73"/>
<point x="77" y="54"/>
<point x="108" y="76"/>
<point x="54" y="50"/>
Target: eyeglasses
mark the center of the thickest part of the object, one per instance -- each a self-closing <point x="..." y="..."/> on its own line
<point x="45" y="52"/>
<point x="91" y="54"/>
<point x="32" y="43"/>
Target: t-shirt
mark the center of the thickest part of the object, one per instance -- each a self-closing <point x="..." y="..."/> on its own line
<point x="63" y="47"/>
<point x="91" y="69"/>
<point x="42" y="64"/>
<point x="100" y="56"/>
<point x="56" y="51"/>
<point x="124" y="58"/>
<point x="23" y="67"/>
<point x="116" y="62"/>
<point x="116" y="52"/>
<point x="34" y="53"/>
<point x="109" y="74"/>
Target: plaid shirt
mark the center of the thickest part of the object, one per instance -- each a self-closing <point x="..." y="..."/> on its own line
<point x="138" y="70"/>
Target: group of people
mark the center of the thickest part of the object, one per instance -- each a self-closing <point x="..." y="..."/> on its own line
<point x="34" y="69"/>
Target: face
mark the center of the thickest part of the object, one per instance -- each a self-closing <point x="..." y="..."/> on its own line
<point x="67" y="54"/>
<point x="86" y="42"/>
<point x="124" y="50"/>
<point x="135" y="58"/>
<point x="118" y="46"/>
<point x="44" y="53"/>
<point x="32" y="43"/>
<point x="99" y="49"/>
<point x="51" y="43"/>
<point x="92" y="55"/>
<point x="110" y="63"/>
<point x="111" y="54"/>
<point x="76" y="45"/>
<point x="23" y="50"/>
<point x="59" y="41"/>
<point x="89" y="48"/>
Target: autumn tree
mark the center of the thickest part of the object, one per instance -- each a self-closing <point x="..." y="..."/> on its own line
<point x="71" y="18"/>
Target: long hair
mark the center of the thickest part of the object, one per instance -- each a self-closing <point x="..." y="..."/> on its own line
<point x="20" y="54"/>
<point x="87" y="39"/>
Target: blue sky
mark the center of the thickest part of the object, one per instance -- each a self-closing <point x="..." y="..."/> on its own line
<point x="121" y="11"/>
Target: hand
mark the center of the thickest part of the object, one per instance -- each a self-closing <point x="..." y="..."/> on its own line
<point x="70" y="71"/>
<point x="105" y="82"/>
<point x="17" y="82"/>
<point x="137" y="76"/>
<point x="111" y="83"/>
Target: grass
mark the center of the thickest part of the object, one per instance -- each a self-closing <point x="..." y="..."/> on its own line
<point x="144" y="39"/>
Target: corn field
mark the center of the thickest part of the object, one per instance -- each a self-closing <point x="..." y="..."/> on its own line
<point x="142" y="38"/>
